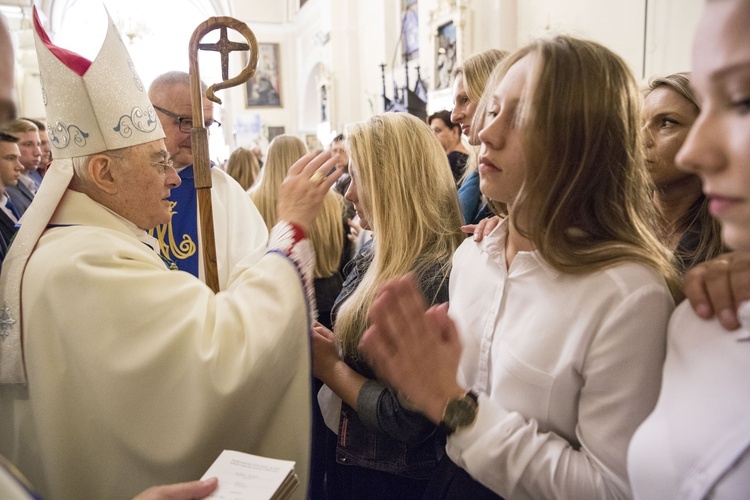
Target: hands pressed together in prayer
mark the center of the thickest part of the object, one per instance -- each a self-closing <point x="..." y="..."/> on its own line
<point x="417" y="350"/>
<point x="305" y="186"/>
<point x="414" y="350"/>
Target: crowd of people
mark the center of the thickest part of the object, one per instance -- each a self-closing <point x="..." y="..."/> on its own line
<point x="548" y="353"/>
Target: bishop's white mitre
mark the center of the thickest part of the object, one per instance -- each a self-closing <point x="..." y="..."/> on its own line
<point x="91" y="107"/>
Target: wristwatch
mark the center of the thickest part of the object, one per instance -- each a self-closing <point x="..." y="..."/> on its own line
<point x="459" y="413"/>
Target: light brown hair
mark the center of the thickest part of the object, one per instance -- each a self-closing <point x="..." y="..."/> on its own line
<point x="19" y="126"/>
<point x="585" y="202"/>
<point x="326" y="232"/>
<point x="243" y="166"/>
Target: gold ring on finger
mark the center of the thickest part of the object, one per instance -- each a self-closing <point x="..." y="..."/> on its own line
<point x="317" y="178"/>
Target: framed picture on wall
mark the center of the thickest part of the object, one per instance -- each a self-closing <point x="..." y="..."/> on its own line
<point x="445" y="55"/>
<point x="312" y="142"/>
<point x="264" y="88"/>
<point x="410" y="30"/>
<point x="274" y="132"/>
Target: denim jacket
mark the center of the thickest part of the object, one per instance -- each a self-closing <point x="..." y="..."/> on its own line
<point x="380" y="433"/>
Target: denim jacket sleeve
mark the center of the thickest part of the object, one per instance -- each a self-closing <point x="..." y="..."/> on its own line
<point x="379" y="409"/>
<point x="378" y="406"/>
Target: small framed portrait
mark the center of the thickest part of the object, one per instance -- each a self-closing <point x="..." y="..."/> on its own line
<point x="274" y="132"/>
<point x="264" y="88"/>
<point x="313" y="143"/>
<point x="445" y="55"/>
<point x="410" y="27"/>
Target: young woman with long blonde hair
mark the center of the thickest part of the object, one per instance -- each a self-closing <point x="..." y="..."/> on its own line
<point x="469" y="80"/>
<point x="326" y="232"/>
<point x="404" y="192"/>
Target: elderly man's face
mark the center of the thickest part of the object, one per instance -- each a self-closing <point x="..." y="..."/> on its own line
<point x="176" y="99"/>
<point x="143" y="184"/>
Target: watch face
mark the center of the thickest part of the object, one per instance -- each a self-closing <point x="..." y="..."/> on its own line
<point x="460" y="412"/>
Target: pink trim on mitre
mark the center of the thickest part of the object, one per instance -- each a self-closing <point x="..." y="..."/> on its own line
<point x="76" y="63"/>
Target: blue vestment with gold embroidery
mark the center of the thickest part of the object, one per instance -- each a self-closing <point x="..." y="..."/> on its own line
<point x="178" y="240"/>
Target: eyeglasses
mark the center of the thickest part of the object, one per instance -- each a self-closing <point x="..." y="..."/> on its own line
<point x="186" y="124"/>
<point x="163" y="166"/>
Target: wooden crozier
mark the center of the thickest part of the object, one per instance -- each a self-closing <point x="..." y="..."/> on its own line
<point x="199" y="133"/>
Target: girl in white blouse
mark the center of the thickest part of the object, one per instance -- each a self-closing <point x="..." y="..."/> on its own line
<point x="696" y="444"/>
<point x="561" y="311"/>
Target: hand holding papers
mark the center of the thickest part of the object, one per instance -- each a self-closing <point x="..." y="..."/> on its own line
<point x="242" y="476"/>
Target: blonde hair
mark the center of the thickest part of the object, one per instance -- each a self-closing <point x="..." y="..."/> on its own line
<point x="243" y="167"/>
<point x="404" y="179"/>
<point x="283" y="151"/>
<point x="19" y="126"/>
<point x="697" y="215"/>
<point x="327" y="231"/>
<point x="679" y="82"/>
<point x="327" y="235"/>
<point x="585" y="203"/>
<point x="476" y="70"/>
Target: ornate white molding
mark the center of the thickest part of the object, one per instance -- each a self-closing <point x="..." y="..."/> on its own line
<point x="446" y="11"/>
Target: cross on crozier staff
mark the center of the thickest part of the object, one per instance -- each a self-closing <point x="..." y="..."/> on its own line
<point x="199" y="133"/>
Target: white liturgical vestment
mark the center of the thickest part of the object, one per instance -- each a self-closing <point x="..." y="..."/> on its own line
<point x="138" y="375"/>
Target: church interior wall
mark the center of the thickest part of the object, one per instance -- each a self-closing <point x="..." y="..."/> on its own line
<point x="331" y="50"/>
<point x="261" y="11"/>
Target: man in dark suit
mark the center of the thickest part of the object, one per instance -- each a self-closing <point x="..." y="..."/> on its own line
<point x="29" y="143"/>
<point x="10" y="172"/>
